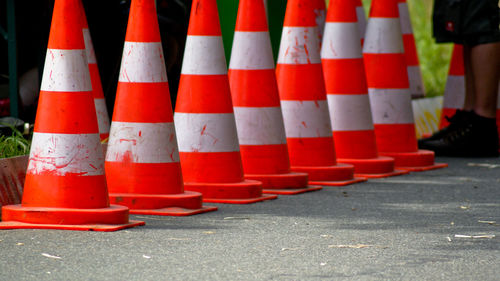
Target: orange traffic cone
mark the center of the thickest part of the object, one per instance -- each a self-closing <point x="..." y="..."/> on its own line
<point x="303" y="100"/>
<point x="95" y="78"/>
<point x="206" y="127"/>
<point x="454" y="91"/>
<point x="388" y="88"/>
<point x="256" y="102"/>
<point x="413" y="65"/>
<point x="347" y="94"/>
<point x="361" y="16"/>
<point x="142" y="160"/>
<point x="65" y="183"/>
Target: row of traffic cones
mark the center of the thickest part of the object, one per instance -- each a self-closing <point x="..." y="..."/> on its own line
<point x="241" y="134"/>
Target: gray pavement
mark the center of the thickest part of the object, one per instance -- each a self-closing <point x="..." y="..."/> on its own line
<point x="400" y="228"/>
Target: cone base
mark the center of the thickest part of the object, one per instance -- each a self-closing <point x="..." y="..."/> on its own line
<point x="103" y="219"/>
<point x="419" y="161"/>
<point x="293" y="191"/>
<point x="284" y="184"/>
<point x="339" y="183"/>
<point x="182" y="204"/>
<point x="379" y="167"/>
<point x="338" y="175"/>
<point x="245" y="192"/>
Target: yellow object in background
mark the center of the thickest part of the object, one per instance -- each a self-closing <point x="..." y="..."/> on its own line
<point x="427" y="113"/>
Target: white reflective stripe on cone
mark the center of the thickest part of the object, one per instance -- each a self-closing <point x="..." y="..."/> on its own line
<point x="454" y="92"/>
<point x="89" y="47"/>
<point x="306" y="119"/>
<point x="102" y="115"/>
<point x="360" y="13"/>
<point x="415" y="79"/>
<point x="206" y="132"/>
<point x="61" y="154"/>
<point x="259" y="125"/>
<point x="391" y="106"/>
<point x="66" y="71"/>
<point x="251" y="50"/>
<point x="299" y="45"/>
<point x="404" y="17"/>
<point x="350" y="112"/>
<point x="143" y="62"/>
<point x="336" y="45"/>
<point x="142" y="143"/>
<point x="383" y="36"/>
<point x="204" y="55"/>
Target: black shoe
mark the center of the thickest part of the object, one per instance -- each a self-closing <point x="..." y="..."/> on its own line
<point x="454" y="121"/>
<point x="473" y="136"/>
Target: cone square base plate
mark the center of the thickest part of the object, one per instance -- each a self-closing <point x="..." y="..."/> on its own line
<point x="244" y="192"/>
<point x="110" y="218"/>
<point x="264" y="197"/>
<point x="292" y="191"/>
<point x="291" y="183"/>
<point x="85" y="227"/>
<point x="338" y="183"/>
<point x="173" y="211"/>
<point x="417" y="161"/>
<point x="384" y="175"/>
<point x="186" y="203"/>
<point x="425" y="168"/>
<point x="377" y="167"/>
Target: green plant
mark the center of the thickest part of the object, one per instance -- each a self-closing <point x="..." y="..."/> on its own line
<point x="14" y="145"/>
<point x="434" y="58"/>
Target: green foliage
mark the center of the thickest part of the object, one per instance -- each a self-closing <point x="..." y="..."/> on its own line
<point x="14" y="145"/>
<point x="434" y="58"/>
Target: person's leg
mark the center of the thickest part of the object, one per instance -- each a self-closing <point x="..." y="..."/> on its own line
<point x="485" y="67"/>
<point x="469" y="79"/>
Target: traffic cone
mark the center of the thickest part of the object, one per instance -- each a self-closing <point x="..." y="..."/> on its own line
<point x="347" y="94"/>
<point x="95" y="78"/>
<point x="454" y="91"/>
<point x="142" y="160"/>
<point x="320" y="17"/>
<point x="303" y="100"/>
<point x="206" y="127"/>
<point x="65" y="184"/>
<point x="256" y="105"/>
<point x="361" y="17"/>
<point x="388" y="88"/>
<point x="417" y="89"/>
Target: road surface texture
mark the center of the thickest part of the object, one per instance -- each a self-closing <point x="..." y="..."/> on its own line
<point x="435" y="225"/>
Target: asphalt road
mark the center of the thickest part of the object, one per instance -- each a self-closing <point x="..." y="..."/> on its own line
<point x="400" y="228"/>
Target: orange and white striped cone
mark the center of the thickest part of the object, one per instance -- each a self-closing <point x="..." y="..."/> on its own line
<point x="65" y="184"/>
<point x="417" y="89"/>
<point x="320" y="17"/>
<point x="206" y="127"/>
<point x="361" y="16"/>
<point x="142" y="160"/>
<point x="303" y="100"/>
<point x="454" y="91"/>
<point x="256" y="105"/>
<point x="347" y="94"/>
<point x="95" y="78"/>
<point x="388" y="88"/>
